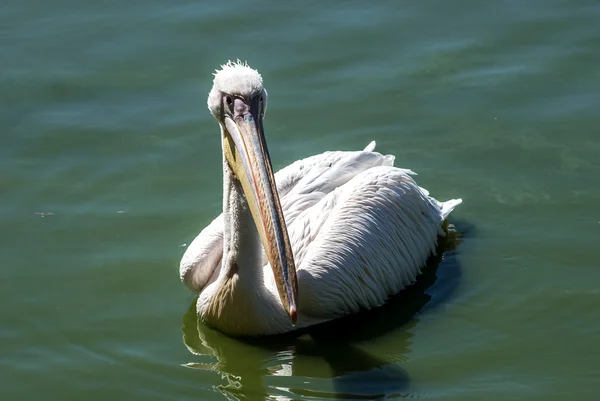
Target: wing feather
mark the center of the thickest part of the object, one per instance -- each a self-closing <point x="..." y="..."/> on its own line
<point x="364" y="242"/>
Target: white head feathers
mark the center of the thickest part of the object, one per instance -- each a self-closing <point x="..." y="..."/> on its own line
<point x="237" y="78"/>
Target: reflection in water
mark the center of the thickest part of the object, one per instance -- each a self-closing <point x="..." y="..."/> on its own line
<point x="356" y="357"/>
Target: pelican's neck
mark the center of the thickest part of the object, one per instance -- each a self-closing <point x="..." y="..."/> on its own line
<point x="242" y="247"/>
<point x="243" y="300"/>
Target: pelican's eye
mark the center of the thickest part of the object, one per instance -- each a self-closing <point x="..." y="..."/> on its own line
<point x="262" y="106"/>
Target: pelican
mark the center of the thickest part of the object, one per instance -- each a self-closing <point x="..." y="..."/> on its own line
<point x="324" y="237"/>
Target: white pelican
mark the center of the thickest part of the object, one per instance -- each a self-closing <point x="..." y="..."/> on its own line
<point x="325" y="237"/>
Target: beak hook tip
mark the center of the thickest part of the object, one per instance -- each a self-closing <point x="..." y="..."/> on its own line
<point x="293" y="315"/>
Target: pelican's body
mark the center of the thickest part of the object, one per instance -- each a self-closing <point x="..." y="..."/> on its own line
<point x="337" y="233"/>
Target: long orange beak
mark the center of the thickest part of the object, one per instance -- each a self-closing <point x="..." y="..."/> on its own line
<point x="247" y="154"/>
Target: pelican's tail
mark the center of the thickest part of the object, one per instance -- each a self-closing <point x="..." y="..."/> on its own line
<point x="449" y="206"/>
<point x="450" y="239"/>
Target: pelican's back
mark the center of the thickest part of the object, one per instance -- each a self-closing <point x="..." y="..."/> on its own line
<point x="365" y="241"/>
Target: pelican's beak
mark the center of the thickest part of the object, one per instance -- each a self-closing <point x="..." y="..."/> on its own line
<point x="246" y="152"/>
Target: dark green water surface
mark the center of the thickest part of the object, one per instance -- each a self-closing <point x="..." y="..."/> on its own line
<point x="110" y="164"/>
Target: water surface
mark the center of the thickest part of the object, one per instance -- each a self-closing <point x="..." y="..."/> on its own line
<point x="110" y="164"/>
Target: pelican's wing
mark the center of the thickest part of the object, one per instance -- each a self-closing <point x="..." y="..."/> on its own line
<point x="364" y="242"/>
<point x="300" y="186"/>
<point x="201" y="261"/>
<point x="304" y="183"/>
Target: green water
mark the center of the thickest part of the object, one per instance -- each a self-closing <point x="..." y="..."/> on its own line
<point x="110" y="164"/>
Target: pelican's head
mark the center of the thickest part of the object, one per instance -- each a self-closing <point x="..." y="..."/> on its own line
<point x="238" y="101"/>
<point x="235" y="80"/>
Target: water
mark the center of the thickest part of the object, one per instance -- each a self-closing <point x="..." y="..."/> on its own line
<point x="110" y="164"/>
